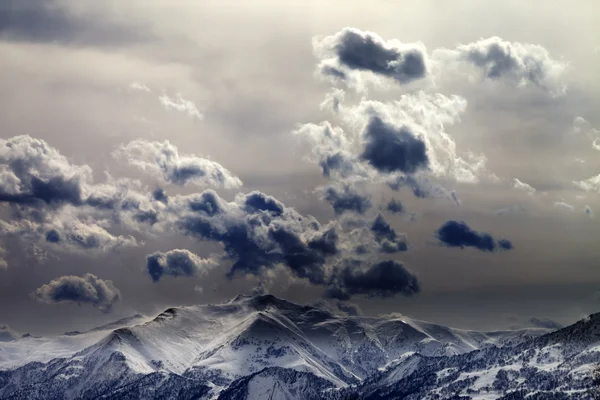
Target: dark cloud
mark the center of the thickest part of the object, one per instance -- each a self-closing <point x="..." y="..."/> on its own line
<point x="544" y="323"/>
<point x="164" y="159"/>
<point x="259" y="201"/>
<point x="325" y="242"/>
<point x="159" y="194"/>
<point x="393" y="149"/>
<point x="52" y="21"/>
<point x="395" y="206"/>
<point x="177" y="262"/>
<point x="257" y="231"/>
<point x="352" y="49"/>
<point x="387" y="237"/>
<point x="383" y="279"/>
<point x="304" y="261"/>
<point x="459" y="234"/>
<point x="88" y="289"/>
<point x="345" y="197"/>
<point x="52" y="236"/>
<point x="505" y="244"/>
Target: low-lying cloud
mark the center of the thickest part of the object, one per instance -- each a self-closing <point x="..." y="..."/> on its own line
<point x="87" y="289"/>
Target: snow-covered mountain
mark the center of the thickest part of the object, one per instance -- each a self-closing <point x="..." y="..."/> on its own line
<point x="264" y="347"/>
<point x="17" y="350"/>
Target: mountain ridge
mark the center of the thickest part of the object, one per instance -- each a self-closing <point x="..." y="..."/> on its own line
<point x="260" y="344"/>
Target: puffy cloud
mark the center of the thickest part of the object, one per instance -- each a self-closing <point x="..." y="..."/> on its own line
<point x="72" y="235"/>
<point x="259" y="233"/>
<point x="32" y="172"/>
<point x="520" y="64"/>
<point x="425" y="116"/>
<point x="383" y="279"/>
<point x="563" y="205"/>
<point x="182" y="105"/>
<point x="589" y="185"/>
<point x="350" y="52"/>
<point x="177" y="262"/>
<point x="88" y="289"/>
<point x="522" y="186"/>
<point x="358" y="57"/>
<point x="164" y="159"/>
<point x="344" y="197"/>
<point x="459" y="234"/>
<point x="256" y="234"/>
<point x="395" y="206"/>
<point x="398" y="142"/>
<point x="57" y="204"/>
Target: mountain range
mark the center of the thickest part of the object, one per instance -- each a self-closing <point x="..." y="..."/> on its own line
<point x="263" y="347"/>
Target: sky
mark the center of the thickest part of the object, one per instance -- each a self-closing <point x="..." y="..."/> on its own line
<point x="440" y="160"/>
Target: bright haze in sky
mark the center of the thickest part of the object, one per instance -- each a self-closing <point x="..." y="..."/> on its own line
<point x="439" y="160"/>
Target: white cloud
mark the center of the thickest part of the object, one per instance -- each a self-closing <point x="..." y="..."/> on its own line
<point x="182" y="105"/>
<point x="139" y="86"/>
<point x="163" y="158"/>
<point x="589" y="185"/>
<point x="522" y="186"/>
<point x="563" y="205"/>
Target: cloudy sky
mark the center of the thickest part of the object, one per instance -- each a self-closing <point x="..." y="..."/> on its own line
<point x="439" y="160"/>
